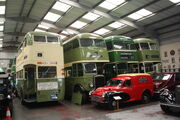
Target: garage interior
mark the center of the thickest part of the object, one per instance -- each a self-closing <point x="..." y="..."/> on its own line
<point x="155" y="19"/>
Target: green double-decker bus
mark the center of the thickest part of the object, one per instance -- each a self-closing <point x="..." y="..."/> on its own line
<point x="148" y="54"/>
<point x="85" y="55"/>
<point x="40" y="68"/>
<point x="122" y="55"/>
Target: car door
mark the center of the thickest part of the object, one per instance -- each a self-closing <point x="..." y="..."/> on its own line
<point x="129" y="88"/>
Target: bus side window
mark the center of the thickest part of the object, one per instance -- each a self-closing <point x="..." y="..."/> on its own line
<point x="80" y="69"/>
<point x="74" y="70"/>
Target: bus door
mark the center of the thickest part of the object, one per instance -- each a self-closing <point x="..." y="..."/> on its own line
<point x="30" y="73"/>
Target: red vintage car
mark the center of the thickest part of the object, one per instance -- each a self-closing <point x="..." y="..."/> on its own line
<point x="165" y="80"/>
<point x="124" y="88"/>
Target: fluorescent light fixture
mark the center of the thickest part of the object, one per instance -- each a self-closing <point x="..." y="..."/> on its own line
<point x="38" y="30"/>
<point x="1" y="28"/>
<point x="139" y="14"/>
<point x="116" y="25"/>
<point x="61" y="6"/>
<point x="63" y="36"/>
<point x="1" y="22"/>
<point x="111" y="4"/>
<point x="42" y="26"/>
<point x="0" y="45"/>
<point x="2" y="10"/>
<point x="2" y="0"/>
<point x="1" y="39"/>
<point x="175" y="1"/>
<point x="52" y="17"/>
<point x="91" y="16"/>
<point x="78" y="24"/>
<point x="101" y="31"/>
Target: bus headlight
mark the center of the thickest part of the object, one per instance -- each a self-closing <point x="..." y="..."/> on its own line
<point x="91" y="85"/>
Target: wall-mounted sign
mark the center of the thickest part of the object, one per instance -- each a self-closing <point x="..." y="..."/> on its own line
<point x="172" y="52"/>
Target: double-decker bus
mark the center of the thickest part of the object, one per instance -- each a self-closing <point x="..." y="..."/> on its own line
<point x="148" y="54"/>
<point x="122" y="55"/>
<point x="84" y="55"/>
<point x="40" y="68"/>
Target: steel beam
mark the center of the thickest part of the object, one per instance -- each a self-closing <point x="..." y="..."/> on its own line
<point x="88" y="9"/>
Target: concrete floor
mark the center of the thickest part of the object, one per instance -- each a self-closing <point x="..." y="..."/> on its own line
<point x="68" y="111"/>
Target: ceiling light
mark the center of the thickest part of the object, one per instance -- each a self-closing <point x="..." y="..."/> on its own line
<point x="116" y="24"/>
<point x="175" y="1"/>
<point x="38" y="30"/>
<point x="91" y="16"/>
<point x="101" y="31"/>
<point x="78" y="24"/>
<point x="61" y="6"/>
<point x="1" y="28"/>
<point x="42" y="26"/>
<point x="52" y="17"/>
<point x="2" y="10"/>
<point x="1" y="39"/>
<point x="0" y="45"/>
<point x="111" y="4"/>
<point x="139" y="14"/>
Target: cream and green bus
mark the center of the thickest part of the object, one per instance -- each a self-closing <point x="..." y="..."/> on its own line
<point x="40" y="68"/>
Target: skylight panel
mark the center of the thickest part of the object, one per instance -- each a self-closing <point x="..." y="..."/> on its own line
<point x="111" y="4"/>
<point x="42" y="26"/>
<point x="78" y="24"/>
<point x="91" y="16"/>
<point x="38" y="30"/>
<point x="61" y="6"/>
<point x="0" y="45"/>
<point x="1" y="39"/>
<point x="1" y="28"/>
<point x="175" y="1"/>
<point x="139" y="14"/>
<point x="52" y="17"/>
<point x="2" y="10"/>
<point x="116" y="25"/>
<point x="1" y="22"/>
<point x="102" y="31"/>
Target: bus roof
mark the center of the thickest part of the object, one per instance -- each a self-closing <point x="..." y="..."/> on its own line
<point x="144" y="40"/>
<point x="84" y="35"/>
<point x="134" y="74"/>
<point x="43" y="33"/>
<point x="119" y="38"/>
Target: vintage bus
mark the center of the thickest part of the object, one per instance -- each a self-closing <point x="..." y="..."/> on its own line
<point x="84" y="55"/>
<point x="148" y="53"/>
<point x="122" y="55"/>
<point x="40" y="68"/>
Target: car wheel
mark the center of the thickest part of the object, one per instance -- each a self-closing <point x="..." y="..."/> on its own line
<point x="146" y="98"/>
<point x="166" y="109"/>
<point x="112" y="104"/>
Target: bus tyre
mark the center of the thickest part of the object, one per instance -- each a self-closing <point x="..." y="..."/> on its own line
<point x="146" y="98"/>
<point x="166" y="109"/>
<point x="112" y="104"/>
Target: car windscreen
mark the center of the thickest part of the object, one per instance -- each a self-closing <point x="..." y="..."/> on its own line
<point x="114" y="82"/>
<point x="1" y="81"/>
<point x="162" y="77"/>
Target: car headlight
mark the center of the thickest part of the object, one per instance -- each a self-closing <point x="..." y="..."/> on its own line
<point x="104" y="94"/>
<point x="91" y="85"/>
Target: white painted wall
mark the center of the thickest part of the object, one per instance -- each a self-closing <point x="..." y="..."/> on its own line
<point x="167" y="61"/>
<point x="8" y="55"/>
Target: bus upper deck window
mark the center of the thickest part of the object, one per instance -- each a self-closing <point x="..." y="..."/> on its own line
<point x="120" y="45"/>
<point x="39" y="39"/>
<point x="144" y="46"/>
<point x="109" y="45"/>
<point x="52" y="39"/>
<point x="99" y="43"/>
<point x="133" y="46"/>
<point x="153" y="46"/>
<point x="86" y="42"/>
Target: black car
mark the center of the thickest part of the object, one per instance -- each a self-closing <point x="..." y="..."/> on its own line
<point x="170" y="99"/>
<point x="5" y="94"/>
